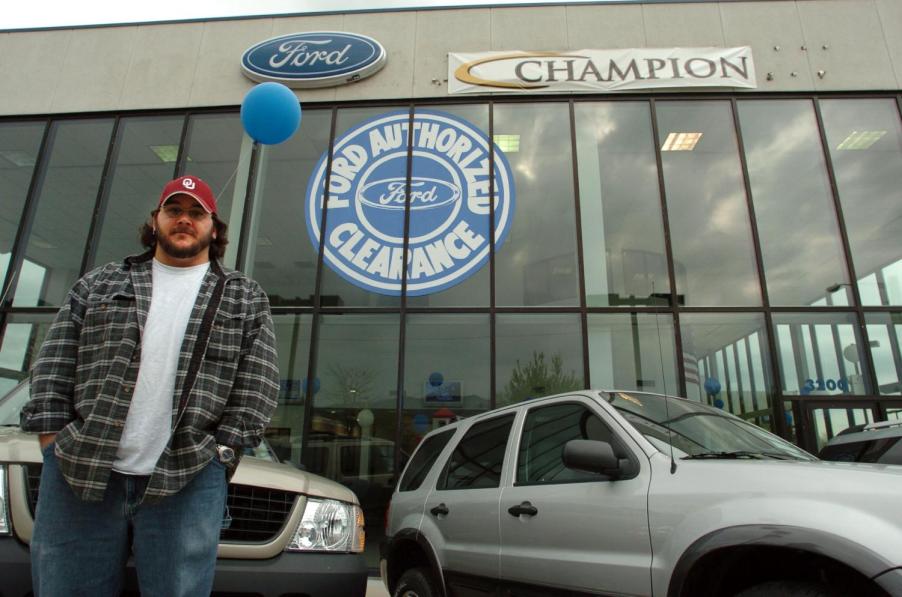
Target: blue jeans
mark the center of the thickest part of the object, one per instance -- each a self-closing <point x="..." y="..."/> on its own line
<point x="81" y="548"/>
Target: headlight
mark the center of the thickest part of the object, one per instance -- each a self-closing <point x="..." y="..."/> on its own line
<point x="4" y="511"/>
<point x="329" y="525"/>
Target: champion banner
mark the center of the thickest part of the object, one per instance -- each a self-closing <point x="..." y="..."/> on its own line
<point x="600" y="70"/>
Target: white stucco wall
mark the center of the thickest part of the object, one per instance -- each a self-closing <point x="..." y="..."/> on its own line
<point x="856" y="43"/>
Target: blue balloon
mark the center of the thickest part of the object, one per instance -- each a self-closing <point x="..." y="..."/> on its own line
<point x="712" y="386"/>
<point x="718" y="403"/>
<point x="315" y="385"/>
<point x="436" y="379"/>
<point x="270" y="113"/>
<point x="421" y="423"/>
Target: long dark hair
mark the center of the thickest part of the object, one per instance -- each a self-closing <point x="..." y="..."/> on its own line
<point x="217" y="245"/>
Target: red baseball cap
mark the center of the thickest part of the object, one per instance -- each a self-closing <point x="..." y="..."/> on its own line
<point x="193" y="187"/>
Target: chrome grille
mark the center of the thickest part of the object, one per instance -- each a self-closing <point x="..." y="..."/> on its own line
<point x="256" y="514"/>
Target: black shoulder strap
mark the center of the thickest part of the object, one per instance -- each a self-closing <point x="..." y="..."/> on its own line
<point x="200" y="347"/>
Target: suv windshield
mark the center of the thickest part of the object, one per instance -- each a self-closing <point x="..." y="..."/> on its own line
<point x="699" y="431"/>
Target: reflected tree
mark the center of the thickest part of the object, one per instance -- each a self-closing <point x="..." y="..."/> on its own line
<point x="539" y="378"/>
<point x="351" y="385"/>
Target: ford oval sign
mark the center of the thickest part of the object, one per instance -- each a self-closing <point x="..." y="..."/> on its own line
<point x="445" y="204"/>
<point x="315" y="59"/>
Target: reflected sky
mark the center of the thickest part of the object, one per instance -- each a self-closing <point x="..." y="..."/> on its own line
<point x="706" y="208"/>
<point x="795" y="212"/>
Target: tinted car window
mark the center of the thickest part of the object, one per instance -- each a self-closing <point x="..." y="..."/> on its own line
<point x="886" y="450"/>
<point x="477" y="460"/>
<point x="547" y="429"/>
<point x="423" y="459"/>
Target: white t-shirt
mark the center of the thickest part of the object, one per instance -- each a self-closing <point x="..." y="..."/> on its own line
<point x="148" y="425"/>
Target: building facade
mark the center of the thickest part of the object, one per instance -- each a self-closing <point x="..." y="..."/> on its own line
<point x="738" y="245"/>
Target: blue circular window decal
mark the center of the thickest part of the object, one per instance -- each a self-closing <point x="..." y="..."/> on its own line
<point x="449" y="203"/>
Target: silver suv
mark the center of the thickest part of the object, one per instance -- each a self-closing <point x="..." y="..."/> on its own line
<point x="627" y="493"/>
<point x="288" y="532"/>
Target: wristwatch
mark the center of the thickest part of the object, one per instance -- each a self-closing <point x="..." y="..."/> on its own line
<point x="226" y="455"/>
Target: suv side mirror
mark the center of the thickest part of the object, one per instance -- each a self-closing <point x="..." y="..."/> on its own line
<point x="593" y="456"/>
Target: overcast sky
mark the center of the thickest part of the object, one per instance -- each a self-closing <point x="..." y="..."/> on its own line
<point x="22" y="14"/>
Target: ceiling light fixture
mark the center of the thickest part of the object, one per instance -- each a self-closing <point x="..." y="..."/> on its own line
<point x="860" y="139"/>
<point x="168" y="154"/>
<point x="681" y="141"/>
<point x="508" y="143"/>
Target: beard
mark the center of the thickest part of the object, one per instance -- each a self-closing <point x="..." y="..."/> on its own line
<point x="184" y="252"/>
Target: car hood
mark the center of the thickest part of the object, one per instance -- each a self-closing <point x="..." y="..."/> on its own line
<point x="846" y="499"/>
<point x="790" y="477"/>
<point x="273" y="475"/>
<point x="17" y="447"/>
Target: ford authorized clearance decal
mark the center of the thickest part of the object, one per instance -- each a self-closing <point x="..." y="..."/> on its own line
<point x="315" y="59"/>
<point x="449" y="203"/>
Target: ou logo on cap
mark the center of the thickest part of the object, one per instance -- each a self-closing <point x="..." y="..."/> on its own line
<point x="451" y="221"/>
<point x="189" y="184"/>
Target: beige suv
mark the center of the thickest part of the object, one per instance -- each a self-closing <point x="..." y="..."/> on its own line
<point x="289" y="532"/>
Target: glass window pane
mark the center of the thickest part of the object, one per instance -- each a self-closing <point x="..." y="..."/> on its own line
<point x="545" y="433"/>
<point x="19" y="146"/>
<point x="335" y="289"/>
<point x="790" y="416"/>
<point x="537" y="264"/>
<point x="726" y="364"/>
<point x="479" y="456"/>
<point x="280" y="255"/>
<point x="21" y="342"/>
<point x="885" y="336"/>
<point x="537" y="355"/>
<point x="286" y="429"/>
<point x="632" y="351"/>
<point x="446" y="371"/>
<point x="216" y="149"/>
<point x="864" y="137"/>
<point x="144" y="163"/>
<point x="796" y="216"/>
<point x="473" y="291"/>
<point x="355" y="408"/>
<point x="423" y="459"/>
<point x="66" y="203"/>
<point x="820" y="354"/>
<point x="620" y="205"/>
<point x="714" y="260"/>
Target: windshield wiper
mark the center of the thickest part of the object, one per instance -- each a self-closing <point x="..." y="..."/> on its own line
<point x="737" y="454"/>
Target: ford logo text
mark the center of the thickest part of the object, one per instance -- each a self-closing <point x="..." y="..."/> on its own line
<point x="315" y="59"/>
<point x="425" y="193"/>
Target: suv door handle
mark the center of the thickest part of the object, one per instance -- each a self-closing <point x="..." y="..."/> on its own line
<point x="524" y="508"/>
<point x="440" y="509"/>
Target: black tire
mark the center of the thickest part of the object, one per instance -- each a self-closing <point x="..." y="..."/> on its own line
<point x="417" y="582"/>
<point x="787" y="588"/>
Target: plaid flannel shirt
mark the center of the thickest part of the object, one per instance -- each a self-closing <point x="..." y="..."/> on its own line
<point x="226" y="384"/>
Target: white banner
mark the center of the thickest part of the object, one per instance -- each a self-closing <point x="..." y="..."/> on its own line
<point x="600" y="70"/>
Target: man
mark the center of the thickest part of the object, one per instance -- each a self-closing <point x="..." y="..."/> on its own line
<point x="157" y="372"/>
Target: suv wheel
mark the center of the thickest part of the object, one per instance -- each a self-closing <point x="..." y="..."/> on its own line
<point x="784" y="588"/>
<point x="416" y="582"/>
